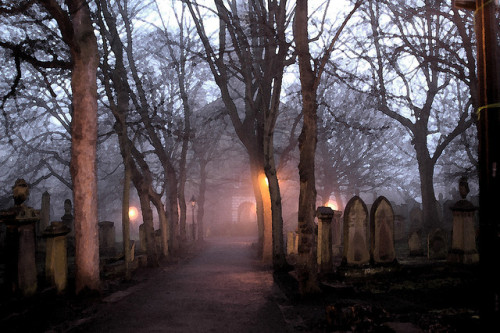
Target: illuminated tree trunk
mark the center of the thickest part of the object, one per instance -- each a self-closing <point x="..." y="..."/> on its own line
<point x="306" y="262"/>
<point x="83" y="149"/>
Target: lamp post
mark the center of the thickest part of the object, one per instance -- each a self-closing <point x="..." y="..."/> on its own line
<point x="193" y="204"/>
<point x="488" y="114"/>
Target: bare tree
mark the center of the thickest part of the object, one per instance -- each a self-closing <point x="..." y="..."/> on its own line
<point x="249" y="59"/>
<point x="310" y="75"/>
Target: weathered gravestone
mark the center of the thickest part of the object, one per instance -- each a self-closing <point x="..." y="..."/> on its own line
<point x="107" y="238"/>
<point x="356" y="248"/>
<point x="463" y="245"/>
<point x="325" y="216"/>
<point x="415" y="245"/>
<point x="56" y="255"/>
<point x="437" y="244"/>
<point x="382" y="248"/>
<point x="21" y="271"/>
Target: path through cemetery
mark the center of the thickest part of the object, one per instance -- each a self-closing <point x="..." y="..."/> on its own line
<point x="223" y="289"/>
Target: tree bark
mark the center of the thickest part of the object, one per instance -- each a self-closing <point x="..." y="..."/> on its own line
<point x="83" y="149"/>
<point x="306" y="262"/>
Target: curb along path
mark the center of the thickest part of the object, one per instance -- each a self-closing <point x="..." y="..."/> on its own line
<point x="222" y="289"/>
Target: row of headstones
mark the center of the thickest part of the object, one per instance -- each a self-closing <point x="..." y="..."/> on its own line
<point x="27" y="231"/>
<point x="374" y="243"/>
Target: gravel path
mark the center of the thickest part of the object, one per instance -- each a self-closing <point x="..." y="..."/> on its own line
<point x="223" y="289"/>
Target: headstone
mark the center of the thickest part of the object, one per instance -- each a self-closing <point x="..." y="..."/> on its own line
<point x="382" y="231"/>
<point x="356" y="248"/>
<point x="56" y="255"/>
<point x="325" y="216"/>
<point x="437" y="244"/>
<point x="463" y="245"/>
<point x="415" y="245"/>
<point x="107" y="238"/>
<point x="337" y="233"/>
<point x="21" y="271"/>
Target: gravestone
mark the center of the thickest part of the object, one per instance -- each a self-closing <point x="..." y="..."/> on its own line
<point x="324" y="258"/>
<point x="337" y="233"/>
<point x="382" y="248"/>
<point x="463" y="245"/>
<point x="437" y="244"/>
<point x="107" y="238"/>
<point x="356" y="248"/>
<point x="415" y="245"/>
<point x="56" y="255"/>
<point x="20" y="220"/>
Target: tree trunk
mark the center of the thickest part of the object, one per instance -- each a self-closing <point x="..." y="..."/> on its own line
<point x="201" y="199"/>
<point x="147" y="216"/>
<point x="306" y="262"/>
<point x="259" y="208"/>
<point x="83" y="149"/>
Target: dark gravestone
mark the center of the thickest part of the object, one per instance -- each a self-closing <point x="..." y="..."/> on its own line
<point x="382" y="248"/>
<point x="437" y="244"/>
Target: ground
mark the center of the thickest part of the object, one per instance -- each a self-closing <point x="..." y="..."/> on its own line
<point x="221" y="287"/>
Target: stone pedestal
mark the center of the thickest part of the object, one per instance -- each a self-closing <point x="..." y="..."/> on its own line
<point x="290" y="243"/>
<point x="21" y="272"/>
<point x="56" y="255"/>
<point x="337" y="234"/>
<point x="107" y="238"/>
<point x="463" y="245"/>
<point x="325" y="216"/>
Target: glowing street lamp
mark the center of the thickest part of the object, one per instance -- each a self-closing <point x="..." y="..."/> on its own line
<point x="193" y="204"/>
<point x="133" y="213"/>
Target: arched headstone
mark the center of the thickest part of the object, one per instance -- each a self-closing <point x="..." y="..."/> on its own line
<point x="356" y="248"/>
<point x="382" y="248"/>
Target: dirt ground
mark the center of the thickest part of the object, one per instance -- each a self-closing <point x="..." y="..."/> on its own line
<point x="221" y="287"/>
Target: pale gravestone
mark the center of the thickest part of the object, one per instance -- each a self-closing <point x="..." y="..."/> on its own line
<point x="356" y="248"/>
<point x="382" y="231"/>
<point x="437" y="244"/>
<point x="463" y="245"/>
<point x="56" y="255"/>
